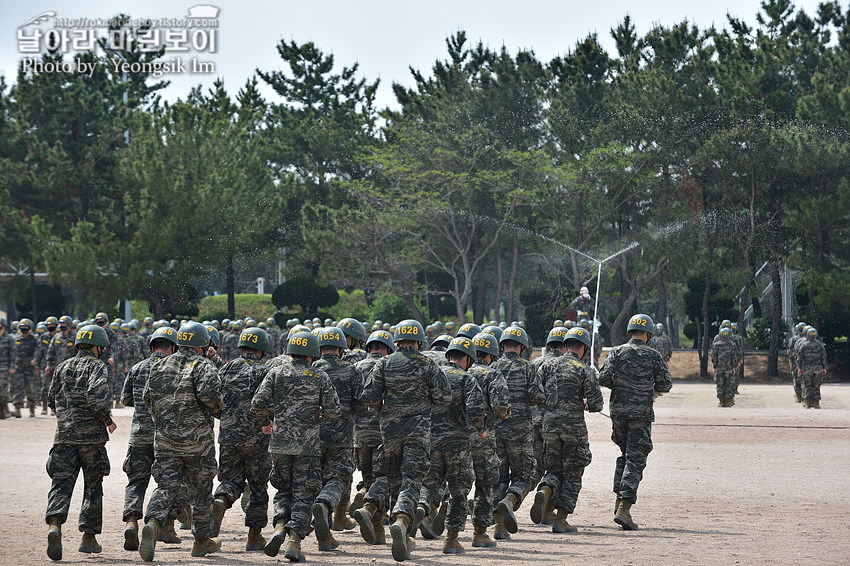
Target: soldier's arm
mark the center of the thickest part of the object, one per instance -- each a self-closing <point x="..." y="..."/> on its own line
<point x="476" y="408"/>
<point x="357" y="405"/>
<point x="595" y="400"/>
<point x="663" y="383"/>
<point x="328" y="399"/>
<point x="373" y="389"/>
<point x="127" y="389"/>
<point x="99" y="395"/>
<point x="54" y="389"/>
<point x="549" y="383"/>
<point x="500" y="396"/>
<point x="607" y="373"/>
<point x="51" y="352"/>
<point x="208" y="386"/>
<point x="536" y="396"/>
<point x="438" y="384"/>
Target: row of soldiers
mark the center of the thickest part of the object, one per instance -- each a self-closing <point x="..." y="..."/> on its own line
<point x="807" y="361"/>
<point x="727" y="358"/>
<point x="423" y="426"/>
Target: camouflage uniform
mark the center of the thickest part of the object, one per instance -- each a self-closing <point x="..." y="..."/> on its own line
<point x="122" y="365"/>
<point x="183" y="392"/>
<point x="582" y="304"/>
<point x="229" y="343"/>
<point x="274" y="342"/>
<point x="140" y="452"/>
<point x="437" y="355"/>
<point x="367" y="432"/>
<point x="244" y="449"/>
<point x="485" y="462"/>
<point x="8" y="361"/>
<point x="283" y="359"/>
<point x="354" y="356"/>
<point x="451" y="460"/>
<point x="567" y="382"/>
<point x="725" y="357"/>
<point x="792" y="361"/>
<point x="80" y="397"/>
<point x="514" y="435"/>
<point x="61" y="348"/>
<point x="635" y="373"/>
<point x="404" y="387"/>
<point x="44" y="340"/>
<point x="24" y="380"/>
<point x="662" y="345"/>
<point x="111" y="351"/>
<point x="811" y="361"/>
<point x="337" y="437"/>
<point x="295" y="397"/>
<point x="537" y="412"/>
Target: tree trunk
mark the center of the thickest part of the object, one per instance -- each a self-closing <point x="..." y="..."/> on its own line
<point x="510" y="315"/>
<point x="231" y="295"/>
<point x="479" y="303"/>
<point x="498" y="313"/>
<point x="706" y="335"/>
<point x="776" y="323"/>
<point x="661" y="311"/>
<point x="32" y="291"/>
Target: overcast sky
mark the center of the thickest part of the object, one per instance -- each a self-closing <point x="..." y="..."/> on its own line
<point x="385" y="37"/>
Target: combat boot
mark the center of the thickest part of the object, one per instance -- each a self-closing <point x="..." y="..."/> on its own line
<point x="32" y="409"/>
<point x="89" y="544"/>
<point x="380" y="533"/>
<point x="366" y="517"/>
<point x="167" y="533"/>
<point x="798" y="397"/>
<point x="426" y="526"/>
<point x="439" y="522"/>
<point x="398" y="531"/>
<point x="278" y="536"/>
<point x="549" y="515"/>
<point x="480" y="538"/>
<point x="499" y="530"/>
<point x="54" y="538"/>
<point x="204" y="546"/>
<point x="341" y="522"/>
<point x="328" y="544"/>
<point x="806" y="403"/>
<point x="560" y="524"/>
<point x="220" y="505"/>
<point x="44" y="407"/>
<point x="357" y="502"/>
<point x="421" y="513"/>
<point x="730" y="401"/>
<point x="506" y="509"/>
<point x="541" y="503"/>
<point x="17" y="412"/>
<point x="814" y="403"/>
<point x="624" y="516"/>
<point x="184" y="517"/>
<point x="293" y="547"/>
<point x="131" y="532"/>
<point x="255" y="539"/>
<point x="4" y="411"/>
<point x="320" y="521"/>
<point x="147" y="547"/>
<point x="451" y="544"/>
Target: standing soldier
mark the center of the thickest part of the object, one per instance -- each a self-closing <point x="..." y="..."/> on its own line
<point x="244" y="447"/>
<point x="51" y="324"/>
<point x="61" y="346"/>
<point x="514" y="435"/>
<point x="661" y="343"/>
<point x="404" y="388"/>
<point x="148" y="327"/>
<point x="140" y="451"/>
<point x="571" y="388"/>
<point x="437" y="352"/>
<point x="230" y="341"/>
<point x="291" y="400"/>
<point x="81" y="399"/>
<point x="725" y="358"/>
<point x="636" y="374"/>
<point x="24" y="378"/>
<point x="583" y="304"/>
<point x="811" y="367"/>
<point x="8" y="362"/>
<point x="485" y="462"/>
<point x="792" y="352"/>
<point x="738" y="374"/>
<point x="355" y="337"/>
<point x="274" y="337"/>
<point x="183" y="392"/>
<point x="110" y="351"/>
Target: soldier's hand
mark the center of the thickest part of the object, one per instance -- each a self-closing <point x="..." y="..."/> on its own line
<point x="111" y="428"/>
<point x="482" y="434"/>
<point x="47" y="369"/>
<point x="32" y="362"/>
<point x="823" y="371"/>
<point x="584" y="401"/>
<point x="11" y="371"/>
<point x="267" y="429"/>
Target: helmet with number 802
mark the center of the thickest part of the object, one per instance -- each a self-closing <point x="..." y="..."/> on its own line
<point x="641" y="322"/>
<point x="409" y="330"/>
<point x="92" y="334"/>
<point x="333" y="337"/>
<point x="254" y="338"/>
<point x="485" y="342"/>
<point x="303" y="344"/>
<point x="194" y="335"/>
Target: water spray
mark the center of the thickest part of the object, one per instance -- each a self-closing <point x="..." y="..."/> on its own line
<point x="596" y="298"/>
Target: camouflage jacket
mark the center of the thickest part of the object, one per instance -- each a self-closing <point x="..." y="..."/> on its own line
<point x="61" y="348"/>
<point x="792" y="350"/>
<point x="634" y="372"/>
<point x="81" y="398"/>
<point x="354" y="356"/>
<point x="41" y="349"/>
<point x="404" y="387"/>
<point x="25" y="347"/>
<point x="582" y="304"/>
<point x="142" y="429"/>
<point x="437" y="356"/>
<point x="295" y="397"/>
<point x="494" y="388"/>
<point x="280" y="360"/>
<point x="141" y="351"/>
<point x="183" y="392"/>
<point x="450" y="424"/>
<point x="229" y="343"/>
<point x="524" y="387"/>
<point x="111" y="350"/>
<point x="240" y="379"/>
<point x="662" y="345"/>
<point x="274" y="342"/>
<point x="367" y="424"/>
<point x="348" y="383"/>
<point x="724" y="355"/>
<point x="567" y="383"/>
<point x="8" y="352"/>
<point x="811" y="355"/>
<point x="538" y="410"/>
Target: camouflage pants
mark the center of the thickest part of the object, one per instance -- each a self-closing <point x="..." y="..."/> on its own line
<point x="450" y="462"/>
<point x="118" y="384"/>
<point x="725" y="381"/>
<point x="297" y="480"/>
<point x="485" y="464"/>
<point x="567" y="455"/>
<point x="173" y="474"/>
<point x="378" y="493"/>
<point x="408" y="460"/>
<point x="810" y="383"/>
<point x="539" y="458"/>
<point x="367" y="462"/>
<point x="5" y="382"/>
<point x="44" y="387"/>
<point x="137" y="466"/>
<point x="337" y="469"/>
<point x="24" y="383"/>
<point x="63" y="466"/>
<point x="238" y="465"/>
<point x="634" y="438"/>
<point x="516" y="462"/>
<point x="797" y="381"/>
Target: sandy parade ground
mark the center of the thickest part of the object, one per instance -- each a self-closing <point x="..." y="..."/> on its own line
<point x="764" y="482"/>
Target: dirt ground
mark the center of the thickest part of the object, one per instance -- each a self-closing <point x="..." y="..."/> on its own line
<point x="764" y="482"/>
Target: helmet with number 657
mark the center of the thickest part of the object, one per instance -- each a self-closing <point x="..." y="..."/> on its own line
<point x="194" y="335"/>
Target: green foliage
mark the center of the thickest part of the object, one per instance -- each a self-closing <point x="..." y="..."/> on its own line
<point x="538" y="318"/>
<point x="351" y="304"/>
<point x="49" y="299"/>
<point x="258" y="307"/>
<point x="309" y="292"/>
<point x="389" y="307"/>
<point x="759" y="337"/>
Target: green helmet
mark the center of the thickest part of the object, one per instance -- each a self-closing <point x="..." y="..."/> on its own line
<point x="811" y="333"/>
<point x="799" y="327"/>
<point x="659" y="329"/>
<point x="441" y="341"/>
<point x="100" y="316"/>
<point x="3" y="321"/>
<point x="450" y="326"/>
<point x="438" y="325"/>
<point x="299" y="328"/>
<point x="92" y="334"/>
<point x="487" y="343"/>
<point x="163" y="333"/>
<point x="726" y="323"/>
<point x="148" y="320"/>
<point x="383" y="337"/>
<point x="569" y="324"/>
<point x="303" y="344"/>
<point x="262" y="325"/>
<point x="463" y="344"/>
<point x="392" y="329"/>
<point x="734" y="327"/>
<point x="725" y="333"/>
<point x="516" y="334"/>
<point x="469" y="330"/>
<point x="429" y="330"/>
<point x="193" y="334"/>
<point x="174" y="323"/>
<point x="521" y="324"/>
<point x="270" y="322"/>
<point x="386" y="326"/>
<point x="250" y="323"/>
<point x="40" y="328"/>
<point x="332" y="337"/>
<point x="25" y="322"/>
<point x="215" y="324"/>
<point x="225" y="323"/>
<point x="492" y="323"/>
<point x="409" y="330"/>
<point x="584" y="323"/>
<point x="254" y="338"/>
<point x="115" y="325"/>
<point x="558" y="335"/>
<point x="65" y="319"/>
<point x="327" y="322"/>
<point x="580" y="335"/>
<point x="353" y="328"/>
<point x="51" y="320"/>
<point x="377" y="326"/>
<point x="641" y="322"/>
<point x="215" y="337"/>
<point x="558" y="323"/>
<point x="494" y="330"/>
<point x="316" y="331"/>
<point x="125" y="328"/>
